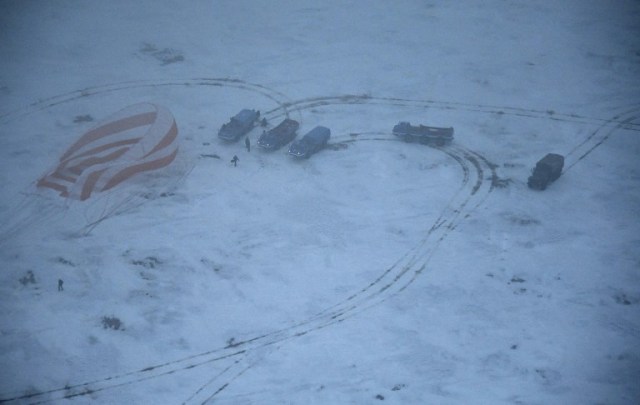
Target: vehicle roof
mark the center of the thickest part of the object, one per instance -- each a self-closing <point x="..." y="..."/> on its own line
<point x="318" y="133"/>
<point x="288" y="121"/>
<point x="285" y="125"/>
<point x="245" y="115"/>
<point x="552" y="158"/>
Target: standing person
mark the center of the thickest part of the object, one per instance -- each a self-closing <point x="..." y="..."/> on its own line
<point x="235" y="160"/>
<point x="60" y="282"/>
<point x="247" y="143"/>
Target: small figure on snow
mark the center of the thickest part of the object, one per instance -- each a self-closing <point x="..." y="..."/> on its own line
<point x="263" y="122"/>
<point x="235" y="160"/>
<point x="247" y="143"/>
<point x="60" y="282"/>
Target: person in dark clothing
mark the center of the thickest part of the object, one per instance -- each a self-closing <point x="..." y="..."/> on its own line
<point x="235" y="160"/>
<point x="247" y="143"/>
<point x="60" y="282"/>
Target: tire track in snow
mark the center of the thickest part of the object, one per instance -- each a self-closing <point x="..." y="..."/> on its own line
<point x="395" y="279"/>
<point x="17" y="223"/>
<point x="351" y="99"/>
<point x="474" y="189"/>
<point x="405" y="271"/>
<point x="390" y="282"/>
<point x="277" y="97"/>
<point x="624" y="120"/>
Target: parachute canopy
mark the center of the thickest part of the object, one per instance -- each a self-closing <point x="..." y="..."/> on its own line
<point x="136" y="139"/>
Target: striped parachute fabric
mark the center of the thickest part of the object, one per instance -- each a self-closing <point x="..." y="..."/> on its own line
<point x="136" y="139"/>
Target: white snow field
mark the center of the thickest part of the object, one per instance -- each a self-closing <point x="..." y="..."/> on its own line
<point x="377" y="271"/>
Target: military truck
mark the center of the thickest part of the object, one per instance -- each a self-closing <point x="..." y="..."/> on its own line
<point x="423" y="134"/>
<point x="547" y="170"/>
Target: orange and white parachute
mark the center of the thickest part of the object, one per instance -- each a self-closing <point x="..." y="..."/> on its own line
<point x="136" y="139"/>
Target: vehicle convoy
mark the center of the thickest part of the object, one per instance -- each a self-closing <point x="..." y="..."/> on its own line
<point x="547" y="170"/>
<point x="423" y="134"/>
<point x="312" y="142"/>
<point x="278" y="136"/>
<point x="239" y="125"/>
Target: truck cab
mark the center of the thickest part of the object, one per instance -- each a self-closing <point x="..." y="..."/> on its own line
<point x="547" y="170"/>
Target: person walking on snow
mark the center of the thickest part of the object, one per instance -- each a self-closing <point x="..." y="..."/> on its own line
<point x="60" y="282"/>
<point x="247" y="143"/>
<point x="235" y="160"/>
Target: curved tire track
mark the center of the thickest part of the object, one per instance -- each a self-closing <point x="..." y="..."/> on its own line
<point x="351" y="99"/>
<point x="475" y="187"/>
<point x="478" y="181"/>
<point x="277" y="97"/>
<point x="393" y="280"/>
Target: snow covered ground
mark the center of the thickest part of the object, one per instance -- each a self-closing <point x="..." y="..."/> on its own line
<point x="375" y="272"/>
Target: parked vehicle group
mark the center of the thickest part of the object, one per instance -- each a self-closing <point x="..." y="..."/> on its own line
<point x="546" y="171"/>
<point x="277" y="137"/>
